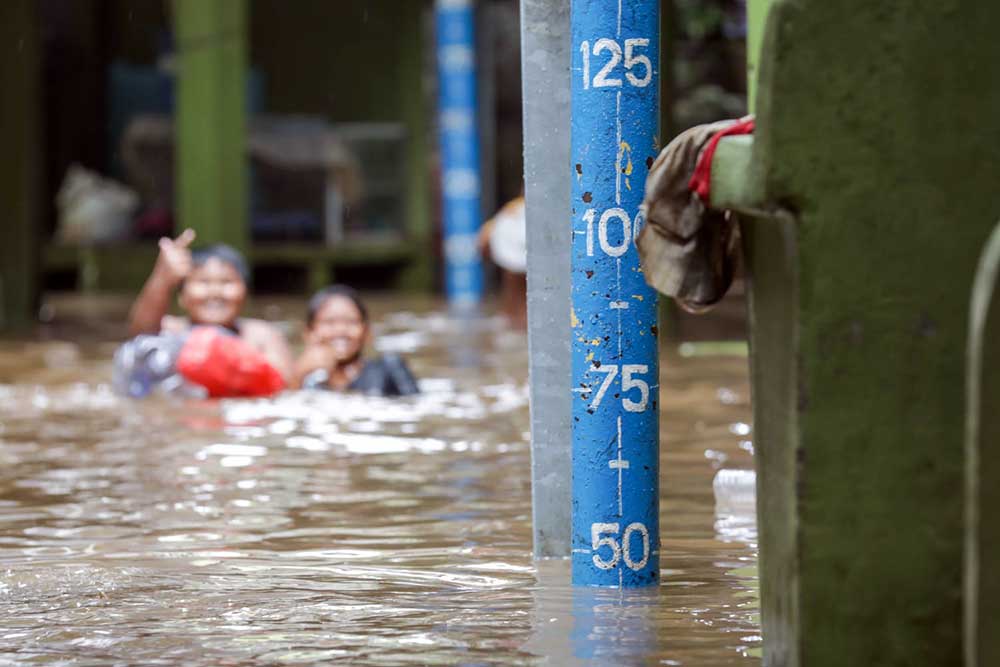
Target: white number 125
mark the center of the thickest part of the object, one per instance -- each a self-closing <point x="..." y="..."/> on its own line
<point x="631" y="60"/>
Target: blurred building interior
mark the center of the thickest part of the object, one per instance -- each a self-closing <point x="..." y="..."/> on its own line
<point x="303" y="133"/>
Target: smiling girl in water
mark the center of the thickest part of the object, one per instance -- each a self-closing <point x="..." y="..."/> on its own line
<point x="337" y="331"/>
<point x="212" y="288"/>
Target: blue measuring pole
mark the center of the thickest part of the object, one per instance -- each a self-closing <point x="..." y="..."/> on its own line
<point x="460" y="177"/>
<point x="614" y="139"/>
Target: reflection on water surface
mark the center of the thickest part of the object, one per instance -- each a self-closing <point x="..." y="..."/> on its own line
<point x="317" y="527"/>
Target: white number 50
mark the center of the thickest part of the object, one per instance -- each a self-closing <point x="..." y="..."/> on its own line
<point x="598" y="539"/>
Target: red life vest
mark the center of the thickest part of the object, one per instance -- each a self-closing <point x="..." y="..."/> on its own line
<point x="226" y="365"/>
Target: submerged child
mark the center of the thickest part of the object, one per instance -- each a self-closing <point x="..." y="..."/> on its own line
<point x="212" y="287"/>
<point x="337" y="331"/>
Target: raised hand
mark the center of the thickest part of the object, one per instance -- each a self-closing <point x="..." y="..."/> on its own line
<point x="174" y="261"/>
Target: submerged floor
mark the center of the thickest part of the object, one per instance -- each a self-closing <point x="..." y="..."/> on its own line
<point x="317" y="527"/>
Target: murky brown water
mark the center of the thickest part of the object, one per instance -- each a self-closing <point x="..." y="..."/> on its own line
<point x="318" y="527"/>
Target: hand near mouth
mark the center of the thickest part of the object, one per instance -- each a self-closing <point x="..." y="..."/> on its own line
<point x="341" y="369"/>
<point x="343" y="351"/>
<point x="317" y="356"/>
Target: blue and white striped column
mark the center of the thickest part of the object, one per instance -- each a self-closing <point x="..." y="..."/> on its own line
<point x="456" y="51"/>
<point x="614" y="139"/>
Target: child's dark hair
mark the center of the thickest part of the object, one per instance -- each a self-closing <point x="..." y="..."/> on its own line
<point x="223" y="253"/>
<point x="321" y="297"/>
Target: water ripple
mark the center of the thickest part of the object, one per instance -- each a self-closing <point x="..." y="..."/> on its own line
<point x="317" y="527"/>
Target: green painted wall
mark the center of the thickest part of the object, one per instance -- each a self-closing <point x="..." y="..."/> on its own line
<point x="879" y="133"/>
<point x="20" y="166"/>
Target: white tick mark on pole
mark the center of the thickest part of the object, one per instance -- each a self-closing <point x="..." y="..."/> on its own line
<point x="618" y="143"/>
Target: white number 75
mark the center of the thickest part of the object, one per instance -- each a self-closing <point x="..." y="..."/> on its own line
<point x="628" y="382"/>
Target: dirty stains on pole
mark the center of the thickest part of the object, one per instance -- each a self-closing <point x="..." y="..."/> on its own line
<point x="460" y="179"/>
<point x="615" y="387"/>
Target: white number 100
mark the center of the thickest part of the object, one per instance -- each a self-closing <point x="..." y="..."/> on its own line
<point x="629" y="231"/>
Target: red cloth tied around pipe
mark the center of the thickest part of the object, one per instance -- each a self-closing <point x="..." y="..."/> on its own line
<point x="701" y="181"/>
<point x="226" y="366"/>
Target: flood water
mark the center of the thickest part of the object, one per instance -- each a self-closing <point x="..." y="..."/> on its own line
<point x="318" y="527"/>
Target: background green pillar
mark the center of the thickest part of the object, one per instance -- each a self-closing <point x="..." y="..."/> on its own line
<point x="419" y="273"/>
<point x="19" y="169"/>
<point x="211" y="123"/>
<point x="756" y="16"/>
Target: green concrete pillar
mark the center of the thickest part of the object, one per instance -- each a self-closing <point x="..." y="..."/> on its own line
<point x="211" y="162"/>
<point x="757" y="11"/>
<point x="866" y="198"/>
<point x="19" y="169"/>
<point x="419" y="273"/>
<point x="982" y="464"/>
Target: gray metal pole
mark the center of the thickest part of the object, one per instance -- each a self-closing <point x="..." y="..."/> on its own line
<point x="545" y="60"/>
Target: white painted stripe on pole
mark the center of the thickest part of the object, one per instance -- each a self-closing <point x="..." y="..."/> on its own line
<point x="462" y="248"/>
<point x="464" y="300"/>
<point x="461" y="183"/>
<point x="618" y="137"/>
<point x="457" y="57"/>
<point x="618" y="283"/>
<point x="620" y="508"/>
<point x="457" y="120"/>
